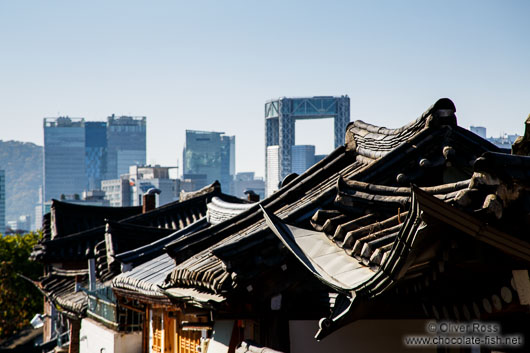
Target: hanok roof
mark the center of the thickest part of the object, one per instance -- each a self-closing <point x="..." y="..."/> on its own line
<point x="80" y="244"/>
<point x="68" y="218"/>
<point x="146" y="278"/>
<point x="431" y="151"/>
<point x="150" y="265"/>
<point x="356" y="224"/>
<point x="63" y="289"/>
<point x="138" y="237"/>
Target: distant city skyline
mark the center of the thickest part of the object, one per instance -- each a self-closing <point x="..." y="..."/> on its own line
<point x="212" y="65"/>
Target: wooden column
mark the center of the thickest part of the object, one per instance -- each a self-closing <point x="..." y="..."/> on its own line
<point x="75" y="326"/>
<point x="145" y="333"/>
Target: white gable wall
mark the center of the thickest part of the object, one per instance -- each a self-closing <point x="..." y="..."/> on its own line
<point x="96" y="338"/>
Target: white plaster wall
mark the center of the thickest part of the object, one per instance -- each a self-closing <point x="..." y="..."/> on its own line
<point x="96" y="338"/>
<point x="365" y="336"/>
<point x="131" y="342"/>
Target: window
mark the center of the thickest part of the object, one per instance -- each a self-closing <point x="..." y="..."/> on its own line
<point x="157" y="328"/>
<point x="188" y="341"/>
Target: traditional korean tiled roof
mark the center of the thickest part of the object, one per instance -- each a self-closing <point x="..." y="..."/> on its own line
<point x="491" y="208"/>
<point x="149" y="272"/>
<point x="369" y="237"/>
<point x="115" y="254"/>
<point x="60" y="287"/>
<point x="356" y="223"/>
<point x="147" y="277"/>
<point x="72" y="247"/>
<point x="383" y="214"/>
<point x="131" y="241"/>
<point x="80" y="245"/>
<point x="119" y="238"/>
<point x="193" y="296"/>
<point x="68" y="218"/>
<point x="219" y="210"/>
<point x="359" y="185"/>
<point x="149" y="251"/>
<point x="409" y="256"/>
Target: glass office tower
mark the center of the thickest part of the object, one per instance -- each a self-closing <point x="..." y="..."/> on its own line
<point x="64" y="157"/>
<point x="211" y="154"/>
<point x="78" y="154"/>
<point x="95" y="153"/>
<point x="302" y="157"/>
<point x="126" y="144"/>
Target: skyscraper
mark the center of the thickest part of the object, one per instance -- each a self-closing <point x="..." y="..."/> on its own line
<point x="211" y="154"/>
<point x="479" y="130"/>
<point x="2" y="201"/>
<point x="126" y="143"/>
<point x="303" y="157"/>
<point x="64" y="157"/>
<point x="273" y="169"/>
<point x="95" y="153"/>
<point x="78" y="154"/>
<point x="280" y="117"/>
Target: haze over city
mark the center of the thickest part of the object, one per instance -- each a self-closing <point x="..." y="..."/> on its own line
<point x="212" y="65"/>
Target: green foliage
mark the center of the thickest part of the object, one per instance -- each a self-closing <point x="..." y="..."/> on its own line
<point x="19" y="299"/>
<point x="22" y="162"/>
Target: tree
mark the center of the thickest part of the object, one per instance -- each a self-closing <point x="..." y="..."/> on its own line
<point x="19" y="299"/>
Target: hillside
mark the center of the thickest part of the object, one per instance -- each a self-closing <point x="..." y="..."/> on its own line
<point x="22" y="162"/>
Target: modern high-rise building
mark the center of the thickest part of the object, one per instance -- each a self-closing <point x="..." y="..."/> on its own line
<point x="79" y="154"/>
<point x="246" y="181"/>
<point x="64" y="157"/>
<point x="211" y="154"/>
<point x="126" y="144"/>
<point x="302" y="157"/>
<point x="129" y="189"/>
<point x="95" y="153"/>
<point x="117" y="191"/>
<point x="2" y="201"/>
<point x="272" y="163"/>
<point x="479" y="130"/>
<point x="280" y="117"/>
<point x="143" y="178"/>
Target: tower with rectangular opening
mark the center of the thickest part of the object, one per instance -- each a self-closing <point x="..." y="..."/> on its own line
<point x="280" y="117"/>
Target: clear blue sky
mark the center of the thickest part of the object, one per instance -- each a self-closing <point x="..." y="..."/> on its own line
<point x="211" y="65"/>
